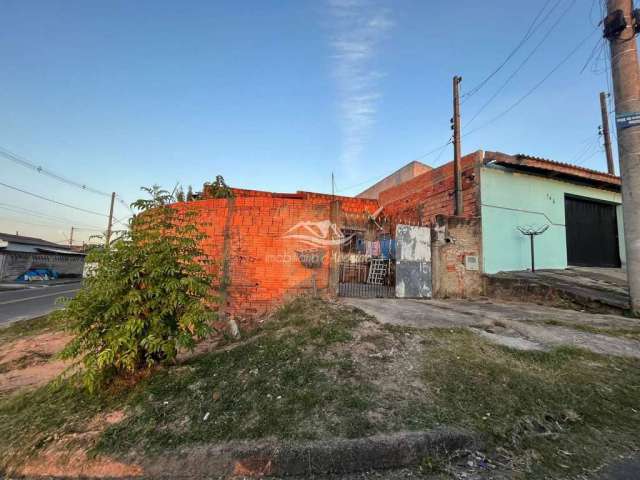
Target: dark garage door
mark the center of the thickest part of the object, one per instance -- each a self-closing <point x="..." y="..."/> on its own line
<point x="592" y="233"/>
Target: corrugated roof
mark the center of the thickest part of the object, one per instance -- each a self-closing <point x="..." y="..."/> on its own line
<point x="7" y="237"/>
<point x="554" y="168"/>
<point x="60" y="251"/>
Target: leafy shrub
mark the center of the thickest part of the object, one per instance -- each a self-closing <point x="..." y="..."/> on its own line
<point x="217" y="189"/>
<point x="150" y="294"/>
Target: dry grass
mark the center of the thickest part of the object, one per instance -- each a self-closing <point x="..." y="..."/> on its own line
<point x="319" y="370"/>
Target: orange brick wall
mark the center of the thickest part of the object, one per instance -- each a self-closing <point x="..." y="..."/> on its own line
<point x="422" y="198"/>
<point x="264" y="269"/>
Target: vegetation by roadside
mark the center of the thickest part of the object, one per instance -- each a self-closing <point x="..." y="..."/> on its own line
<point x="150" y="294"/>
<point x="26" y="328"/>
<point x="319" y="370"/>
<point x="556" y="413"/>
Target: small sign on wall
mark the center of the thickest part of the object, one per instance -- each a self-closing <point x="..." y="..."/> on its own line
<point x="627" y="120"/>
<point x="471" y="262"/>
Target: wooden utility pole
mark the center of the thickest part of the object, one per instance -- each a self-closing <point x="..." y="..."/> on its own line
<point x="71" y="238"/>
<point x="605" y="131"/>
<point x="457" y="151"/>
<point x="110" y="224"/>
<point x="619" y="30"/>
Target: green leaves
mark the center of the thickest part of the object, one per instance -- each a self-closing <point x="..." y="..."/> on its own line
<point x="151" y="294"/>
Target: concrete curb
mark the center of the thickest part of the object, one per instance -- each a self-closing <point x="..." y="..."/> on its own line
<point x="259" y="459"/>
<point x="12" y="286"/>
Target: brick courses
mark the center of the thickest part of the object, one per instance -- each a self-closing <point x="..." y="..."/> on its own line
<point x="264" y="269"/>
<point x="422" y="198"/>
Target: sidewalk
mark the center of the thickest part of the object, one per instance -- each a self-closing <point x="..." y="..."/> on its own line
<point x="8" y="286"/>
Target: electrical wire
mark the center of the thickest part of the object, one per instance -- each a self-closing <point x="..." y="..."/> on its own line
<point x="595" y="53"/>
<point x="607" y="72"/>
<point x="598" y="149"/>
<point x="22" y="210"/>
<point x="39" y="169"/>
<point x="20" y="160"/>
<point x="535" y="87"/>
<point x="524" y="62"/>
<point x="19" y="220"/>
<point x="379" y="177"/>
<point x="530" y="31"/>
<point x="52" y="200"/>
<point x="588" y="145"/>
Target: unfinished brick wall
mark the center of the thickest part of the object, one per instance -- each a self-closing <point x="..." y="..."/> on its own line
<point x="453" y="240"/>
<point x="420" y="199"/>
<point x="258" y="267"/>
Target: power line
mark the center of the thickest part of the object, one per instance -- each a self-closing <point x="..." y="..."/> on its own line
<point x="20" y="160"/>
<point x="19" y="220"/>
<point x="595" y="53"/>
<point x="587" y="146"/>
<point x="535" y="87"/>
<point x="598" y="149"/>
<point x="608" y="78"/>
<point x="40" y="169"/>
<point x="525" y="61"/>
<point x="530" y="31"/>
<point x="22" y="210"/>
<point x="52" y="201"/>
<point x="381" y="177"/>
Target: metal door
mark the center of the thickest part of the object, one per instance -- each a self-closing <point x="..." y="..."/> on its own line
<point x="413" y="262"/>
<point x="592" y="233"/>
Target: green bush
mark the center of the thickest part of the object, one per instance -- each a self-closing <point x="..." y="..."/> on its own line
<point x="150" y="294"/>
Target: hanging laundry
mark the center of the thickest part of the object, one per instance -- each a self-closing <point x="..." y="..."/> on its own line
<point x="360" y="245"/>
<point x="375" y="249"/>
<point x="388" y="248"/>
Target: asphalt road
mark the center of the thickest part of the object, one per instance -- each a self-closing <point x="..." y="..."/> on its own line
<point x="32" y="302"/>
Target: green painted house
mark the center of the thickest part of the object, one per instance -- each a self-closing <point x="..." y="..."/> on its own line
<point x="580" y="207"/>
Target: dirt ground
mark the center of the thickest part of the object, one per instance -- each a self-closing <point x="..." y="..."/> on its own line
<point x="385" y="362"/>
<point x="67" y="456"/>
<point x="28" y="362"/>
<point x="518" y="325"/>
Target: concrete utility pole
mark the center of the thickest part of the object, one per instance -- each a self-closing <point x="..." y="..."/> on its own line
<point x="457" y="150"/>
<point x="71" y="238"/>
<point x="333" y="185"/>
<point x="607" y="135"/>
<point x="620" y="31"/>
<point x="110" y="224"/>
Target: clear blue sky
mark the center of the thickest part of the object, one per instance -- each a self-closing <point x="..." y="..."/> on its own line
<point x="274" y="95"/>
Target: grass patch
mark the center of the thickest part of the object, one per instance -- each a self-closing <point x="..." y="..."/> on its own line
<point x="559" y="412"/>
<point x="278" y="384"/>
<point x="31" y="420"/>
<point x="313" y="371"/>
<point x="631" y="333"/>
<point x="27" y="328"/>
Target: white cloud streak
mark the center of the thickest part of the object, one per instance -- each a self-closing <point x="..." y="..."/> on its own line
<point x="358" y="26"/>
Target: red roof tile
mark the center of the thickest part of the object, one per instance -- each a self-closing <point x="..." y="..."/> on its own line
<point x="553" y="168"/>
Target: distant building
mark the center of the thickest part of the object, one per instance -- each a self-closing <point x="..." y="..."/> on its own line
<point x="19" y="255"/>
<point x="403" y="174"/>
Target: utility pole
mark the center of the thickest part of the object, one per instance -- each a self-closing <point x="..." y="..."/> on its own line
<point x="619" y="29"/>
<point x="71" y="238"/>
<point x="110" y="224"/>
<point x="605" y="131"/>
<point x="333" y="185"/>
<point x="457" y="151"/>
